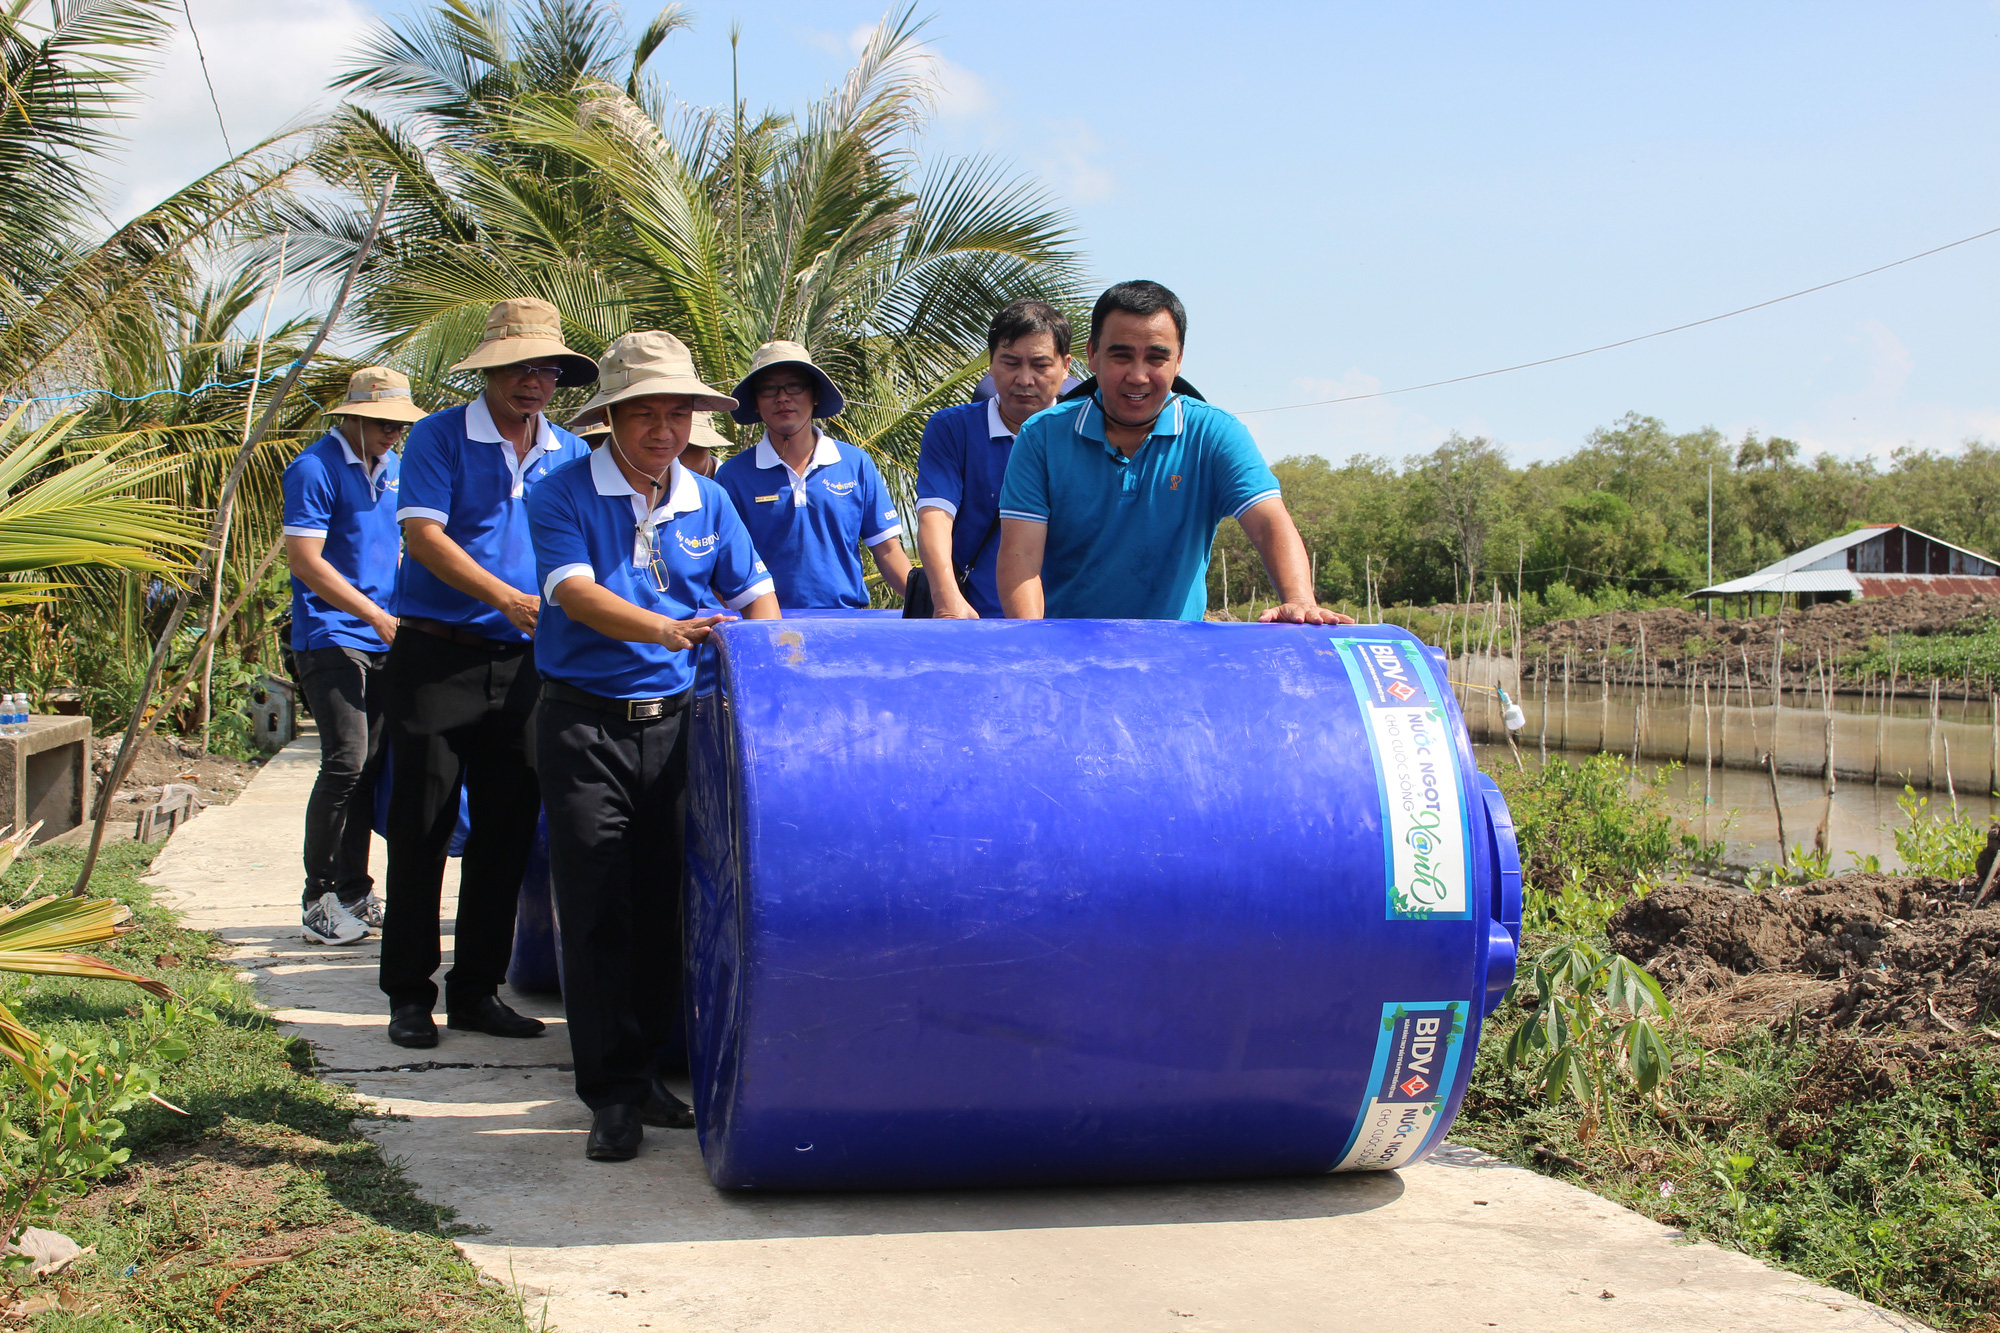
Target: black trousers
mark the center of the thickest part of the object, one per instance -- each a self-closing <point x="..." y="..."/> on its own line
<point x="616" y="793"/>
<point x="458" y="714"/>
<point x="347" y="691"/>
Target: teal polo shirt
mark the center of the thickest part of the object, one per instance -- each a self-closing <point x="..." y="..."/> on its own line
<point x="1129" y="538"/>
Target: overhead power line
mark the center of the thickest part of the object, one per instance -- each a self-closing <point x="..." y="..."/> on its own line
<point x="202" y="56"/>
<point x="1627" y="342"/>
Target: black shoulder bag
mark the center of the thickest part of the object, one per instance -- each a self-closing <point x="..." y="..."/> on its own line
<point x="917" y="601"/>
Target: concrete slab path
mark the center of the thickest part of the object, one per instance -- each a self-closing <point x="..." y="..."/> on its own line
<point x="1461" y="1242"/>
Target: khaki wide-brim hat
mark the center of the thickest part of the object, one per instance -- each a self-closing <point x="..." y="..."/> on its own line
<point x="705" y="436"/>
<point x="379" y="392"/>
<point x="528" y="330"/>
<point x="830" y="403"/>
<point x="639" y="365"/>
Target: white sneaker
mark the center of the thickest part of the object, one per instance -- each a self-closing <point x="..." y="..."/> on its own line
<point x="327" y="922"/>
<point x="369" y="912"/>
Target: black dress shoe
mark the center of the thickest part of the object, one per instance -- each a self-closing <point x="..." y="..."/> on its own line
<point x="615" y="1132"/>
<point x="411" y="1025"/>
<point x="491" y="1016"/>
<point x="663" y="1110"/>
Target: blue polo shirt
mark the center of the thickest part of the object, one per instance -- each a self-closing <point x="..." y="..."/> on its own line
<point x="810" y="528"/>
<point x="1129" y="539"/>
<point x="459" y="470"/>
<point x="332" y="494"/>
<point x="963" y="461"/>
<point x="589" y="523"/>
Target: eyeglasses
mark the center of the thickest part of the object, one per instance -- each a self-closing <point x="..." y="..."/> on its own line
<point x="528" y="372"/>
<point x="793" y="389"/>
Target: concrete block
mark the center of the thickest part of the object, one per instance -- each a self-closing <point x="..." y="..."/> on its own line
<point x="46" y="775"/>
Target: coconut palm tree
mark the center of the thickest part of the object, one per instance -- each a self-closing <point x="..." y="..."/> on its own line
<point x="536" y="157"/>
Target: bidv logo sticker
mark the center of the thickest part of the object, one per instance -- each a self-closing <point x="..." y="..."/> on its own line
<point x="1416" y="772"/>
<point x="838" y="487"/>
<point x="695" y="547"/>
<point x="1416" y="1056"/>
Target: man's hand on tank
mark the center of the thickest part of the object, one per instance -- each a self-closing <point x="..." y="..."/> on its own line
<point x="681" y="635"/>
<point x="961" y="610"/>
<point x="523" y="609"/>
<point x="1303" y="613"/>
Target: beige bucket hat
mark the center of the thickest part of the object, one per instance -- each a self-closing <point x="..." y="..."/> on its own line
<point x="649" y="362"/>
<point x="528" y="330"/>
<point x="781" y="353"/>
<point x="379" y="392"/>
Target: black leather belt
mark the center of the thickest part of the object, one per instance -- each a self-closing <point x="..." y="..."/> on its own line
<point x="437" y="629"/>
<point x="632" y="710"/>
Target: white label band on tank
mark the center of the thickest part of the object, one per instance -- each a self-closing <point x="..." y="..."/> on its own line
<point x="1415" y="751"/>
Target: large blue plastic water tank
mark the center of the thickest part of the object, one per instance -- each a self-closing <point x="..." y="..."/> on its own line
<point x="1008" y="903"/>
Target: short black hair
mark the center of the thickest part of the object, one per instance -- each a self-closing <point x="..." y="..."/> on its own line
<point x="1138" y="297"/>
<point x="1024" y="319"/>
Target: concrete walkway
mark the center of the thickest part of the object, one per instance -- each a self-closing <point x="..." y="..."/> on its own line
<point x="1458" y="1242"/>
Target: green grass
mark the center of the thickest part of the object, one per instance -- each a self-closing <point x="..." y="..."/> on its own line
<point x="1871" y="1169"/>
<point x="266" y="1165"/>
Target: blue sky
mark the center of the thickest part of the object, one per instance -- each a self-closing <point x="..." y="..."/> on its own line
<point x="1353" y="198"/>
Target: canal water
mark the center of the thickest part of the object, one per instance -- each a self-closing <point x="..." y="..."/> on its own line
<point x="1734" y="805"/>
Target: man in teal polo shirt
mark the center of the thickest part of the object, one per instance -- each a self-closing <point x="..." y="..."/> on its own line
<point x="1112" y="498"/>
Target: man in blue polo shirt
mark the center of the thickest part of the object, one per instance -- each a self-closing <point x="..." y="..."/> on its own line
<point x="629" y="546"/>
<point x="810" y="501"/>
<point x="1112" y="498"/>
<point x="964" y="458"/>
<point x="342" y="544"/>
<point x="462" y="674"/>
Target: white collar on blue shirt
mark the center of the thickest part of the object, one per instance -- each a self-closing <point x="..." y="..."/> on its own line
<point x="347" y="448"/>
<point x="479" y="426"/>
<point x="683" y="497"/>
<point x="996" y="425"/>
<point x="825" y="452"/>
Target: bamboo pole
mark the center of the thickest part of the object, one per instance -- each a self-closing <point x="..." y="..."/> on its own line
<point x="1725" y="710"/>
<point x="1993" y="764"/>
<point x="1707" y="760"/>
<point x="140" y="724"/>
<point x="1931" y="742"/>
<point x="1778" y="808"/>
<point x="1949" y="790"/>
<point x="1569" y="651"/>
<point x="1604" y="694"/>
<point x="222" y="552"/>
<point x="1543" y="674"/>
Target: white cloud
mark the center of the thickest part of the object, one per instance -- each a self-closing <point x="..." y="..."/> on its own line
<point x="1877" y="414"/>
<point x="270" y="65"/>
<point x="1069" y="157"/>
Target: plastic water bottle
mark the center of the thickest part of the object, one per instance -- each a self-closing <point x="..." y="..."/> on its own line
<point x="17" y="715"/>
<point x="10" y="715"/>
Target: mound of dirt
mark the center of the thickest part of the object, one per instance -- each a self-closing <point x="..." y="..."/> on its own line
<point x="1887" y="951"/>
<point x="1679" y="642"/>
<point x="163" y="761"/>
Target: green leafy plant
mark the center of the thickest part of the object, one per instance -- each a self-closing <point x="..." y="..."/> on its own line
<point x="1589" y="1028"/>
<point x="66" y="1138"/>
<point x="1933" y="843"/>
<point x="1806" y="865"/>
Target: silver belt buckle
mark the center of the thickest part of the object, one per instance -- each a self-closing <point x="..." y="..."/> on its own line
<point x="645" y="710"/>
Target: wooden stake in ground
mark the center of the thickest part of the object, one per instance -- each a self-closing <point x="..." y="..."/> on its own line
<point x="142" y="720"/>
<point x="1543" y="673"/>
<point x="1993" y="764"/>
<point x="1568" y="652"/>
<point x="1707" y="763"/>
<point x="1749" y="698"/>
<point x="1880" y="693"/>
<point x="1725" y="710"/>
<point x="1639" y="710"/>
<point x="1931" y="742"/>
<point x="1604" y="694"/>
<point x="1778" y="808"/>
